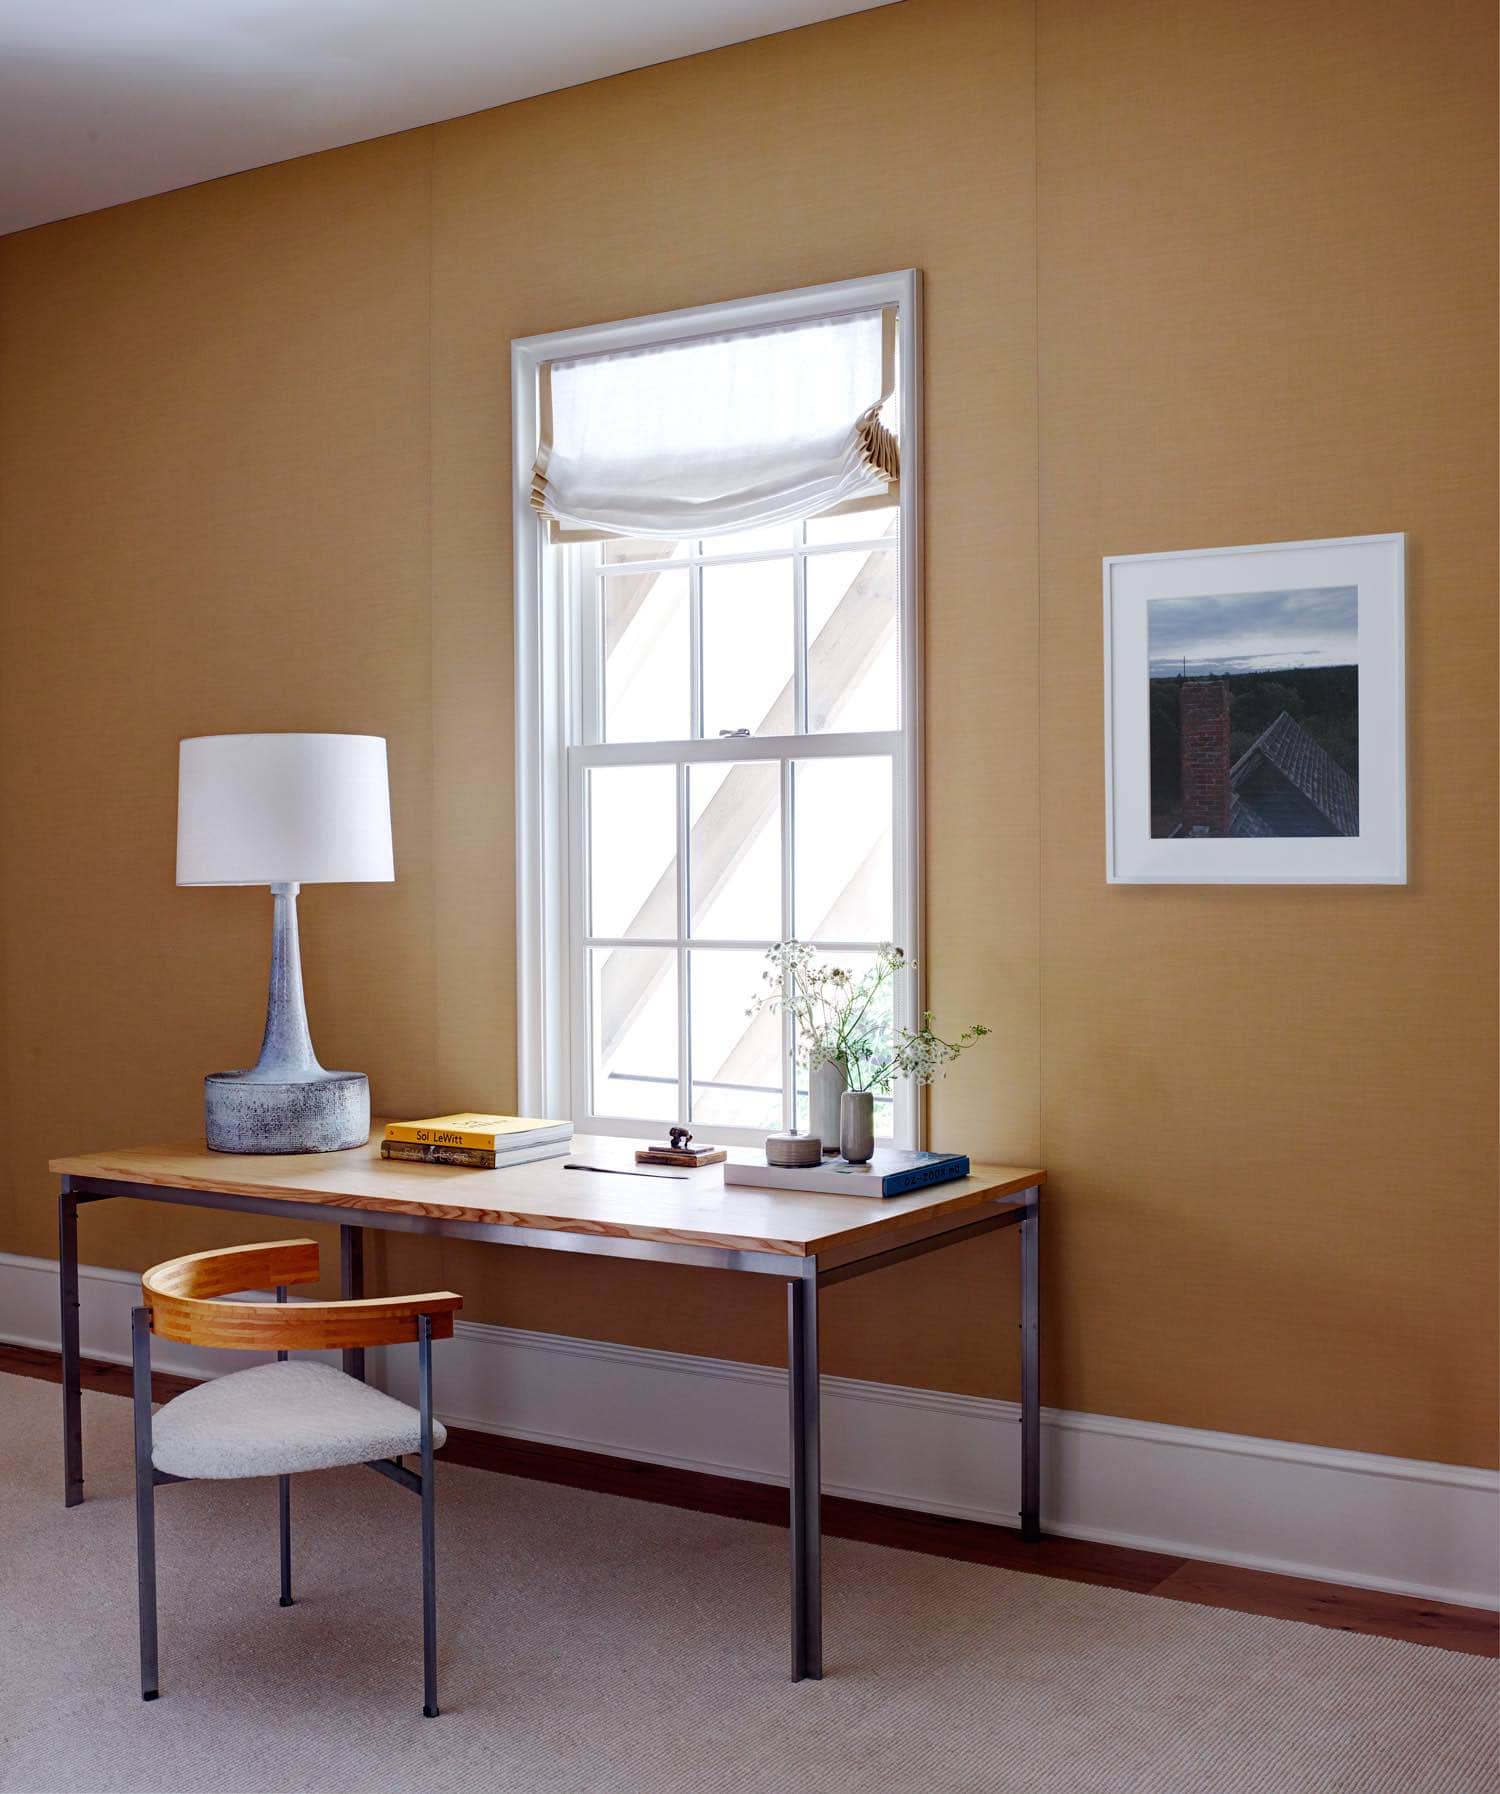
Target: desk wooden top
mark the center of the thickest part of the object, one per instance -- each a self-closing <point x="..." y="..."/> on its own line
<point x="693" y="1208"/>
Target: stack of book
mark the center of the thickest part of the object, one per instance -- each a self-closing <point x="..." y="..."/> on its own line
<point x="889" y="1172"/>
<point x="480" y="1142"/>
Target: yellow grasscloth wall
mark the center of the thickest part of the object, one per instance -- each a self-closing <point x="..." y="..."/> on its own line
<point x="1196" y="274"/>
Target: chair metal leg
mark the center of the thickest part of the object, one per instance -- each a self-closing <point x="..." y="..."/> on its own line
<point x="284" y="1515"/>
<point x="429" y="1531"/>
<point x="284" y="1501"/>
<point x="145" y="1498"/>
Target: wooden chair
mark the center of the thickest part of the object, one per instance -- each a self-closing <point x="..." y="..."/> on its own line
<point x="277" y="1419"/>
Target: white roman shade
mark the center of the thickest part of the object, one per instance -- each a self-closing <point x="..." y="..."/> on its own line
<point x="714" y="434"/>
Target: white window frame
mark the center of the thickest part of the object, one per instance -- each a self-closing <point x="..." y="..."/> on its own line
<point x="550" y="679"/>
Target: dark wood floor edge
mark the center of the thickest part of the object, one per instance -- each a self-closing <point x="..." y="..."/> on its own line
<point x="1338" y="1606"/>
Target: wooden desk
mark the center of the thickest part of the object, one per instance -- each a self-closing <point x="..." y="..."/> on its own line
<point x="567" y="1205"/>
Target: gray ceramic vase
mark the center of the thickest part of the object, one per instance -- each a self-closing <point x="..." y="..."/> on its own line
<point x="857" y="1126"/>
<point x="826" y="1085"/>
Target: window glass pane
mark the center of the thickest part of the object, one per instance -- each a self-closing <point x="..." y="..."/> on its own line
<point x="855" y="526"/>
<point x="842" y="850"/>
<point x="747" y="648"/>
<point x="735" y="864"/>
<point x="633" y="851"/>
<point x="633" y="1030"/>
<point x="852" y="680"/>
<point x="736" y="1056"/>
<point x="750" y="541"/>
<point x="648" y="692"/>
<point x="616" y="550"/>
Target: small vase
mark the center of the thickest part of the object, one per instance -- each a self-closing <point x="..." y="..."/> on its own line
<point x="825" y="1087"/>
<point x="857" y="1126"/>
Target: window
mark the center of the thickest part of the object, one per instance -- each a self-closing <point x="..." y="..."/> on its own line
<point x="716" y="745"/>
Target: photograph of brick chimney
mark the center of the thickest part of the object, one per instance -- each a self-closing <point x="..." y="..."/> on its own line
<point x="1255" y="714"/>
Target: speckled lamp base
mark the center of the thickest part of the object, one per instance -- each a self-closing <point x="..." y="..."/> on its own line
<point x="327" y="1113"/>
<point x="286" y="1102"/>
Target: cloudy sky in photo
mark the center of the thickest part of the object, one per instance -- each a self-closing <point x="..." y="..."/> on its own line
<point x="1254" y="632"/>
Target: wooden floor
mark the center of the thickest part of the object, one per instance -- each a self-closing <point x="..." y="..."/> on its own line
<point x="1470" y="1629"/>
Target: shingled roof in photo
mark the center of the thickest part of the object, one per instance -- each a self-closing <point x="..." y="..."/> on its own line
<point x="1285" y="754"/>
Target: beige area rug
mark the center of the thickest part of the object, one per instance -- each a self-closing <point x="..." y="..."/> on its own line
<point x="593" y="1645"/>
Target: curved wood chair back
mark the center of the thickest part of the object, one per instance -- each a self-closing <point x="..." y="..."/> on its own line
<point x="180" y="1296"/>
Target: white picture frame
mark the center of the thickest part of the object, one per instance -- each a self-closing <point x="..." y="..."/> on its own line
<point x="1240" y="615"/>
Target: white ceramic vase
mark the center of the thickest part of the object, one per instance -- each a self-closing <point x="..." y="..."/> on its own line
<point x="857" y="1126"/>
<point x="826" y="1085"/>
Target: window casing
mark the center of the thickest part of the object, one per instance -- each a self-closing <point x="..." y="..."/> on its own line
<point x="717" y="748"/>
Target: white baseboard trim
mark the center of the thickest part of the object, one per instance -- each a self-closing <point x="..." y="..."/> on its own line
<point x="1431" y="1530"/>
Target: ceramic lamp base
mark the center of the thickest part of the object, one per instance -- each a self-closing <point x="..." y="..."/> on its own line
<point x="328" y="1112"/>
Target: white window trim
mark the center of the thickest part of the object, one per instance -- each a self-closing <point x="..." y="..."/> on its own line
<point x="547" y="674"/>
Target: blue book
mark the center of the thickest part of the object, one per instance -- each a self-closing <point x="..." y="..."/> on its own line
<point x="889" y="1172"/>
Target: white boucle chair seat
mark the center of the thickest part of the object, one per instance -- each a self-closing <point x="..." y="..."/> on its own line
<point x="276" y="1419"/>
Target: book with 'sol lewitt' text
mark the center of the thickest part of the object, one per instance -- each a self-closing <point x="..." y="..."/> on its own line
<point x="472" y="1158"/>
<point x="482" y="1133"/>
<point x="889" y="1172"/>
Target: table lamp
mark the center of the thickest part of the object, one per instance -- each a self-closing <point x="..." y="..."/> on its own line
<point x="284" y="811"/>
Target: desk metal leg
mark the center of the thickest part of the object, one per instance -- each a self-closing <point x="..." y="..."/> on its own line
<point x="806" y="1479"/>
<point x="145" y="1497"/>
<point x="429" y="1523"/>
<point x="72" y="1380"/>
<point x="351" y="1288"/>
<point x="1031" y="1360"/>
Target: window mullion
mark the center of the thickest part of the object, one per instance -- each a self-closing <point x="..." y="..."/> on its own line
<point x="587" y="610"/>
<point x="788" y="1033"/>
<point x="684" y="899"/>
<point x="854" y="745"/>
<point x="695" y="649"/>
<point x="799" y="634"/>
<point x="579" y="958"/>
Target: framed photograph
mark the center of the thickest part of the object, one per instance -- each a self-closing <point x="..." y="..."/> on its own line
<point x="1255" y="714"/>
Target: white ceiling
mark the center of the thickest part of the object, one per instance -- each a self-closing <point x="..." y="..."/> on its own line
<point x="107" y="100"/>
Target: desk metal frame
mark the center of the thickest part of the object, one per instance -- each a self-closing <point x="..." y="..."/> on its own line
<point x="805" y="1278"/>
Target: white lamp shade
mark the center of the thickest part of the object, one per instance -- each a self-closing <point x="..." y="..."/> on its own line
<point x="283" y="809"/>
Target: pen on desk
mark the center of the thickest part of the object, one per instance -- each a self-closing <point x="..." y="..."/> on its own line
<point x="622" y="1171"/>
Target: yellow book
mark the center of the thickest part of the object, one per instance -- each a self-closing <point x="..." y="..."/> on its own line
<point x="488" y="1133"/>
